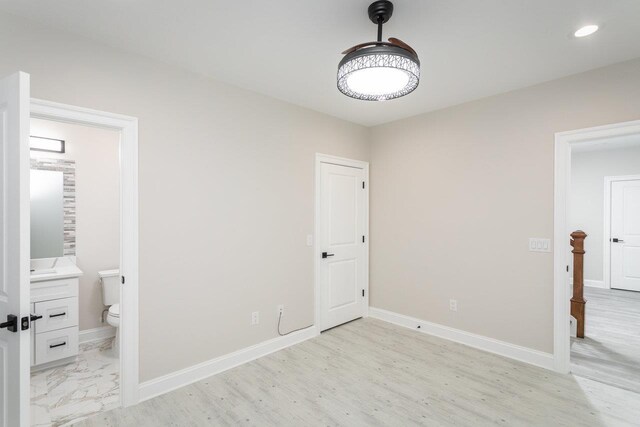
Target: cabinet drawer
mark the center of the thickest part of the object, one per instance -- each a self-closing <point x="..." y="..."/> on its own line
<point x="56" y="314"/>
<point x="54" y="289"/>
<point x="56" y="345"/>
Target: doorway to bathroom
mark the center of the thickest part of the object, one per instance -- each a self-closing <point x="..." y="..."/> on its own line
<point x="83" y="240"/>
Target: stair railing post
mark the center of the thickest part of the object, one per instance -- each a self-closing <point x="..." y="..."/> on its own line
<point x="577" y="300"/>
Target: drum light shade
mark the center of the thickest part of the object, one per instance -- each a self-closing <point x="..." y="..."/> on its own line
<point x="378" y="73"/>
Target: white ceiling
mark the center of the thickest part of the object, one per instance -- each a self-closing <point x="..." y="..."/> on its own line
<point x="289" y="49"/>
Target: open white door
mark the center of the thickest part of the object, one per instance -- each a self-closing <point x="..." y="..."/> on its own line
<point x="625" y="235"/>
<point x="14" y="252"/>
<point x="342" y="234"/>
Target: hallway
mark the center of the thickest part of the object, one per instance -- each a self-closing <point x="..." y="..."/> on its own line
<point x="610" y="351"/>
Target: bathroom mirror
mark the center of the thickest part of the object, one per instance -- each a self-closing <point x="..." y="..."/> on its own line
<point x="47" y="214"/>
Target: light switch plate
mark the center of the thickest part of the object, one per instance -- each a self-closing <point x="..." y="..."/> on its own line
<point x="539" y="245"/>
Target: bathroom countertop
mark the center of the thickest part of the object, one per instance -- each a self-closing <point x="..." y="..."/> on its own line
<point x="64" y="270"/>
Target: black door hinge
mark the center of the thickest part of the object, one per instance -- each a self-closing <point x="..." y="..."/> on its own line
<point x="362" y="239"/>
<point x="567" y="268"/>
<point x="123" y="280"/>
<point x="363" y="292"/>
<point x="362" y="184"/>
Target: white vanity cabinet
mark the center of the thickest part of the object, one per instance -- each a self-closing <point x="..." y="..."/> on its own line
<point x="55" y="333"/>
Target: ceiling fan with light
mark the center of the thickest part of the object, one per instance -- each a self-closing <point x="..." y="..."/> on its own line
<point x="378" y="70"/>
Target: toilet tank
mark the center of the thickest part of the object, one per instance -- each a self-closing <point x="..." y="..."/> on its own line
<point x="110" y="280"/>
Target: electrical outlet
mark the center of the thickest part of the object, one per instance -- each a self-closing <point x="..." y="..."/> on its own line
<point x="255" y="317"/>
<point x="453" y="304"/>
<point x="281" y="310"/>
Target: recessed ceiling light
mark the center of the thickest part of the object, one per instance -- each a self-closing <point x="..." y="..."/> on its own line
<point x="587" y="30"/>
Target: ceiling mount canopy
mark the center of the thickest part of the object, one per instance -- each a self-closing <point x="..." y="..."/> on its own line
<point x="378" y="71"/>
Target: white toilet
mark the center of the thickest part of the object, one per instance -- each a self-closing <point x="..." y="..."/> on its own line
<point x="110" y="280"/>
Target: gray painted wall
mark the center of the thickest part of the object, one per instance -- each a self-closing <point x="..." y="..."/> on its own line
<point x="455" y="195"/>
<point x="226" y="191"/>
<point x="588" y="170"/>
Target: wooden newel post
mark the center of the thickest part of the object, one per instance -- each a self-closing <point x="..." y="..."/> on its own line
<point x="577" y="301"/>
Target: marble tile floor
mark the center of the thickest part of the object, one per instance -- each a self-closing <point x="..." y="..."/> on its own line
<point x="66" y="394"/>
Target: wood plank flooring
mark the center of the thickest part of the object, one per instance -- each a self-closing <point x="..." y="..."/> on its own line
<point x="610" y="351"/>
<point x="372" y="373"/>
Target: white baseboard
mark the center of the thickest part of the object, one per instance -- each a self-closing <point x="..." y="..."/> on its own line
<point x="502" y="348"/>
<point x="183" y="377"/>
<point x="592" y="283"/>
<point x="96" y="334"/>
<point x="595" y="284"/>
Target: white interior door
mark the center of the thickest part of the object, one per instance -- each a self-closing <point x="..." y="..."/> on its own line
<point x="14" y="252"/>
<point x="625" y="235"/>
<point x="342" y="237"/>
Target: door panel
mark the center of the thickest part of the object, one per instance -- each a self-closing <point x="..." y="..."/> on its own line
<point x="14" y="251"/>
<point x="625" y="227"/>
<point x="342" y="283"/>
<point x="342" y="227"/>
<point x="343" y="210"/>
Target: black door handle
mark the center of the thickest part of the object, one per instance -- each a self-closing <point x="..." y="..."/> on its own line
<point x="11" y="324"/>
<point x="35" y="317"/>
<point x="614" y="240"/>
<point x="325" y="255"/>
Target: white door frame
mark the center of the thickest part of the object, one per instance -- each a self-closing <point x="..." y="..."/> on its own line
<point x="606" y="235"/>
<point x="128" y="127"/>
<point x="561" y="248"/>
<point x="317" y="251"/>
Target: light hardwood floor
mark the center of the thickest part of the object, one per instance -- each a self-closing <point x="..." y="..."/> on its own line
<point x="369" y="372"/>
<point x="610" y="351"/>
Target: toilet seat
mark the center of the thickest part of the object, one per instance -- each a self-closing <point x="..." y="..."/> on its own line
<point x="113" y="318"/>
<point x="114" y="310"/>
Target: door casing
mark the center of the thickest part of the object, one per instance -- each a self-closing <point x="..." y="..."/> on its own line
<point x="128" y="127"/>
<point x="564" y="141"/>
<point x="317" y="252"/>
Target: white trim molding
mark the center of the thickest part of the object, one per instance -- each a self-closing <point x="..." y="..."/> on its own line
<point x="317" y="252"/>
<point x="595" y="284"/>
<point x="128" y="127"/>
<point x="183" y="377"/>
<point x="591" y="283"/>
<point x="100" y="333"/>
<point x="606" y="235"/>
<point x="561" y="248"/>
<point x="491" y="345"/>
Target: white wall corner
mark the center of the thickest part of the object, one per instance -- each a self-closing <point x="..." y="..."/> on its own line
<point x="183" y="377"/>
<point x="491" y="345"/>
